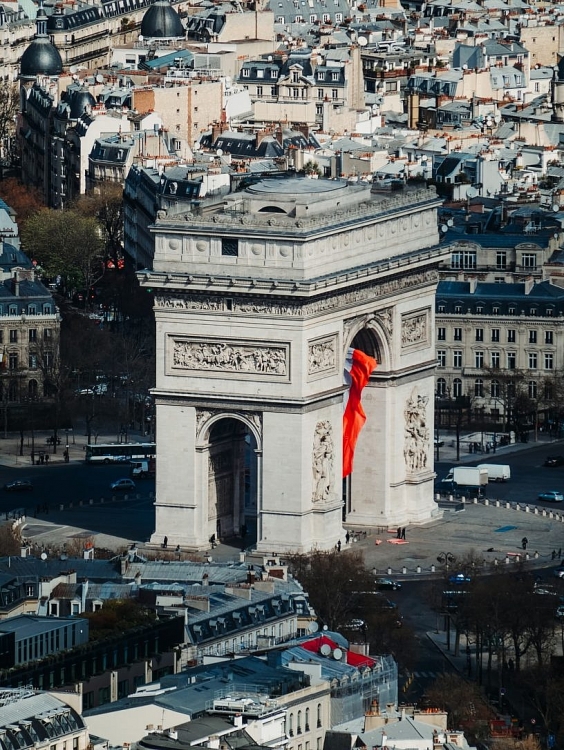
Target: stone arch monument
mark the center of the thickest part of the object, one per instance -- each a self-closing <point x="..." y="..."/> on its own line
<point x="258" y="296"/>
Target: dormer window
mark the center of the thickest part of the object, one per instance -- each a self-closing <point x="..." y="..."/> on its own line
<point x="246" y="72"/>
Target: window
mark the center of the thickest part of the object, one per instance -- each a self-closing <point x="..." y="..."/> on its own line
<point x="532" y="388"/>
<point x="318" y="715"/>
<point x="479" y="334"/>
<point x="458" y="334"/>
<point x="441" y="308"/>
<point x="334" y="94"/>
<point x="307" y="724"/>
<point x="320" y="93"/>
<point x="48" y="360"/>
<point x="548" y="361"/>
<point x="13" y="361"/>
<point x="246" y="72"/>
<point x="13" y="336"/>
<point x="291" y="725"/>
<point x="33" y="334"/>
<point x="463" y="259"/>
<point x="458" y="309"/>
<point x="296" y="93"/>
<point x="457" y="388"/>
<point x="533" y="360"/>
<point x="273" y="91"/>
<point x="549" y="337"/>
<point x="495" y="310"/>
<point x="548" y="391"/>
<point x="299" y="725"/>
<point x="478" y="360"/>
<point x="495" y="389"/>
<point x="274" y="72"/>
<point x="511" y="336"/>
<point x="229" y="247"/>
<point x="495" y="334"/>
<point x="532" y="337"/>
<point x="495" y="359"/>
<point x="501" y="260"/>
<point x="441" y="357"/>
<point x="511" y="310"/>
<point x="441" y="387"/>
<point x="479" y="309"/>
<point x="457" y="358"/>
<point x="511" y="360"/>
<point x="441" y="334"/>
<point x="259" y="90"/>
<point x="479" y="387"/>
<point x="47" y="333"/>
<point x="33" y="361"/>
<point x="529" y="260"/>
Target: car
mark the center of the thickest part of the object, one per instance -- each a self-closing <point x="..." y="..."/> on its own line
<point x="18" y="485"/>
<point x="559" y="572"/>
<point x="552" y="496"/>
<point x="121" y="485"/>
<point x="459" y="578"/>
<point x="438" y="443"/>
<point x="554" y="461"/>
<point x="356" y="624"/>
<point x="387" y="583"/>
<point x="559" y="612"/>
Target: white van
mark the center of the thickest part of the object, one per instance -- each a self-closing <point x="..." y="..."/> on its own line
<point x="497" y="472"/>
<point x="143" y="468"/>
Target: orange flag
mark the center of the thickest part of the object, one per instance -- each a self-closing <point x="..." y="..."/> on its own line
<point x="358" y="368"/>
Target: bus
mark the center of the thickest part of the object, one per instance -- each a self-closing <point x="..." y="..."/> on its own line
<point x="115" y="453"/>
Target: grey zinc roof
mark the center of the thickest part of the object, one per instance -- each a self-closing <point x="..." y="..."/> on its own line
<point x="29" y="567"/>
<point x="12" y="713"/>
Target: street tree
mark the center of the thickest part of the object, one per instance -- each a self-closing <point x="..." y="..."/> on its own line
<point x="464" y="703"/>
<point x="65" y="244"/>
<point x="335" y="582"/>
<point x="9" y="108"/>
<point x="106" y="206"/>
<point x="24" y="199"/>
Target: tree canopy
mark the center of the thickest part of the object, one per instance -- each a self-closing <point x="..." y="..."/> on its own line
<point x="65" y="244"/>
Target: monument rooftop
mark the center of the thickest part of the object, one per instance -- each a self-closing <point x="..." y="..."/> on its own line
<point x="296" y="231"/>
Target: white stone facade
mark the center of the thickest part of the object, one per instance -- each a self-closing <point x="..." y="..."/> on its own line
<point x="258" y="297"/>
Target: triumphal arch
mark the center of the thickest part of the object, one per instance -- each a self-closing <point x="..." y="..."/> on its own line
<point x="258" y="296"/>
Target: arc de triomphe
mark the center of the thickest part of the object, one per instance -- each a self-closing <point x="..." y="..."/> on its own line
<point x="259" y="294"/>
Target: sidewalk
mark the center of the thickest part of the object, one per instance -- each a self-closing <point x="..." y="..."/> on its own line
<point x="75" y="440"/>
<point x="447" y="452"/>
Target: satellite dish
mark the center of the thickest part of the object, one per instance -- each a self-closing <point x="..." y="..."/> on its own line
<point x="471" y="192"/>
<point x="140" y="37"/>
<point x="444" y="228"/>
<point x="450" y="223"/>
<point x="219" y="152"/>
<point x="465" y="67"/>
<point x="497" y="118"/>
<point x="362" y="41"/>
<point x="74" y="77"/>
<point x="555" y="208"/>
<point x="43" y="555"/>
<point x="73" y="69"/>
<point x="313" y="627"/>
<point x="325" y="649"/>
<point x="197" y="146"/>
<point x="99" y="78"/>
<point x="337" y="654"/>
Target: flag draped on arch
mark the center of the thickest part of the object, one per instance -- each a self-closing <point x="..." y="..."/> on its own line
<point x="358" y="368"/>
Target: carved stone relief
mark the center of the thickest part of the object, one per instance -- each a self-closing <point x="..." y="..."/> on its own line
<point x="204" y="415"/>
<point x="323" y="461"/>
<point x="415" y="329"/>
<point x="224" y="357"/>
<point x="269" y="307"/>
<point x="383" y="317"/>
<point x="416" y="432"/>
<point x="322" y="356"/>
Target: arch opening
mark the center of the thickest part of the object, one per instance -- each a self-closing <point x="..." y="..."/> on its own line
<point x="367" y="341"/>
<point x="232" y="481"/>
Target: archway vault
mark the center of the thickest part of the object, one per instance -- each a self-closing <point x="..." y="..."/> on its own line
<point x="207" y="418"/>
<point x="371" y="334"/>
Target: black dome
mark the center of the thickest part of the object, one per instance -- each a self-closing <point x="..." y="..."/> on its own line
<point x="41" y="58"/>
<point x="79" y="101"/>
<point x="161" y="20"/>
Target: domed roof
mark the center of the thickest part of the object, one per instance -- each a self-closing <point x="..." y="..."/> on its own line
<point x="162" y="21"/>
<point x="41" y="58"/>
<point x="79" y="100"/>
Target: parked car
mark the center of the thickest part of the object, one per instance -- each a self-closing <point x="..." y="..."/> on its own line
<point x="552" y="496"/>
<point x="554" y="461"/>
<point x="559" y="612"/>
<point x="559" y="572"/>
<point x="438" y="443"/>
<point x="18" y="485"/>
<point x="459" y="578"/>
<point x="356" y="624"/>
<point x="120" y="485"/>
<point x="387" y="583"/>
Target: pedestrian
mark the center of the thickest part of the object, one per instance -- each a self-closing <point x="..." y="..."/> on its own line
<point x="165" y="542"/>
<point x="553" y="554"/>
<point x="524" y="542"/>
<point x="66" y="455"/>
<point x="46" y="458"/>
<point x="403" y="533"/>
<point x="178" y="548"/>
<point x="399" y="532"/>
<point x="212" y="541"/>
<point x="347" y="537"/>
<point x="32" y="458"/>
<point x="243" y="531"/>
<point x="339" y="546"/>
